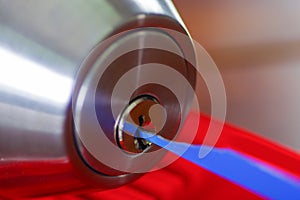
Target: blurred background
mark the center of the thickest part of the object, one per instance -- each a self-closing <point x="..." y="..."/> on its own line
<point x="256" y="46"/>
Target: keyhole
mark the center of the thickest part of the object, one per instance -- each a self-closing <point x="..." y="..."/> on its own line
<point x="140" y="143"/>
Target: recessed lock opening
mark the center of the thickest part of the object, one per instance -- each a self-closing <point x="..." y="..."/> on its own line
<point x="145" y="112"/>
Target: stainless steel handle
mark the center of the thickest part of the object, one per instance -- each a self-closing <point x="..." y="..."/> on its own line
<point x="44" y="50"/>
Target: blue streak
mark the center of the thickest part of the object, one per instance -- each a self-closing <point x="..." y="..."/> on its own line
<point x="251" y="174"/>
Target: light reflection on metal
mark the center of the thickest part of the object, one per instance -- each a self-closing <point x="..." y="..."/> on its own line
<point x="26" y="77"/>
<point x="155" y="5"/>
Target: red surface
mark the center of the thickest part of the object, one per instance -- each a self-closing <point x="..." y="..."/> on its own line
<point x="184" y="180"/>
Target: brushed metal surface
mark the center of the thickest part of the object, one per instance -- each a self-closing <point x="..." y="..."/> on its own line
<point x="42" y="46"/>
<point x="46" y="43"/>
